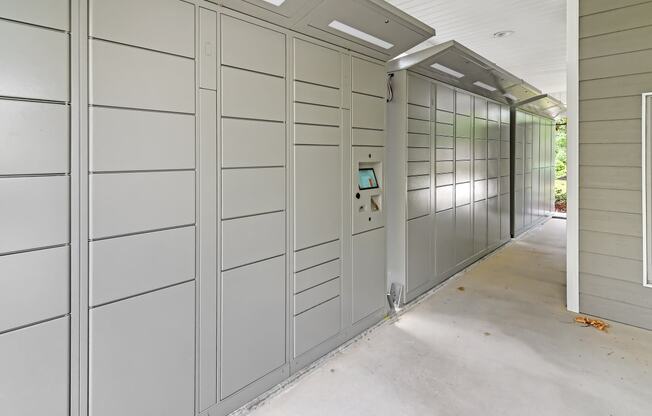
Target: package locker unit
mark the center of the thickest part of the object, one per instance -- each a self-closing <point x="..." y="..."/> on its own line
<point x="182" y="224"/>
<point x="448" y="186"/>
<point x="533" y="163"/>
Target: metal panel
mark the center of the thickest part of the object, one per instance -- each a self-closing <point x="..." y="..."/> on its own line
<point x="252" y="191"/>
<point x="316" y="64"/>
<point x="35" y="366"/>
<point x="317" y="275"/>
<point x="363" y="137"/>
<point x="249" y="239"/>
<point x="480" y="149"/>
<point x="493" y="149"/>
<point x="367" y="112"/>
<point x="444" y="129"/>
<point x="445" y="179"/>
<point x="462" y="171"/>
<point x="445" y="238"/>
<point x="419" y="252"/>
<point x="492" y="188"/>
<point x="123" y="203"/>
<point x="317" y="94"/>
<point x="445" y="98"/>
<point x="140" y="140"/>
<point x="33" y="287"/>
<point x="249" y="46"/>
<point x="462" y="103"/>
<point x="327" y="135"/>
<point x="33" y="138"/>
<point x="418" y="140"/>
<point x="462" y="126"/>
<point x="418" y="126"/>
<point x="316" y="325"/>
<point x="35" y="62"/>
<point x="316" y="114"/>
<point x="142" y="354"/>
<point x="444" y="154"/>
<point x="253" y="323"/>
<point x="504" y="215"/>
<point x="480" y="108"/>
<point x="418" y="168"/>
<point x="317" y="213"/>
<point x="440" y="167"/>
<point x="444" y="198"/>
<point x="123" y="76"/>
<point x="49" y="13"/>
<point x="445" y="117"/>
<point x="418" y="182"/>
<point x="462" y="194"/>
<point x="418" y="91"/>
<point x="418" y="155"/>
<point x="368" y="273"/>
<point x="312" y="256"/>
<point x="463" y="149"/>
<point x="463" y="233"/>
<point x="480" y="226"/>
<point x="319" y="294"/>
<point x="252" y="143"/>
<point x="493" y="221"/>
<point x="479" y="190"/>
<point x="493" y="130"/>
<point x="444" y="142"/>
<point x="418" y="112"/>
<point x="242" y="89"/>
<point x="418" y="203"/>
<point x="368" y="77"/>
<point x="164" y="25"/>
<point x="480" y="169"/>
<point x="493" y="112"/>
<point x="479" y="128"/>
<point x="207" y="49"/>
<point x="34" y="212"/>
<point x="126" y="266"/>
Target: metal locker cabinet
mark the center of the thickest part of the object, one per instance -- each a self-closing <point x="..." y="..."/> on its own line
<point x="367" y="77"/>
<point x="493" y="221"/>
<point x="253" y="323"/>
<point x="130" y="140"/>
<point x="33" y="138"/>
<point x="445" y="242"/>
<point x="313" y="276"/>
<point x="316" y="325"/>
<point x="35" y="62"/>
<point x="419" y="253"/>
<point x="463" y="232"/>
<point x="368" y="289"/>
<point x="247" y="143"/>
<point x="47" y="13"/>
<point x="125" y="76"/>
<point x="316" y="295"/>
<point x="162" y="25"/>
<point x="480" y="224"/>
<point x="123" y="203"/>
<point x="127" y="266"/>
<point x="142" y="354"/>
<point x="34" y="212"/>
<point x="316" y="114"/>
<point x="367" y="112"/>
<point x="35" y="365"/>
<point x="241" y="89"/>
<point x="317" y="213"/>
<point x="321" y="254"/>
<point x="249" y="239"/>
<point x="315" y="135"/>
<point x="252" y="191"/>
<point x="316" y="64"/>
<point x="33" y="287"/>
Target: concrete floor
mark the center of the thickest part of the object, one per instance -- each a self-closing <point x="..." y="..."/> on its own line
<point x="505" y="345"/>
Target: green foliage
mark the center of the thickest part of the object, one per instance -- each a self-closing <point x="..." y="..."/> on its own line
<point x="561" y="141"/>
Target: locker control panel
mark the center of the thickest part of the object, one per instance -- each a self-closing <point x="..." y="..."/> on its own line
<point x="367" y="173"/>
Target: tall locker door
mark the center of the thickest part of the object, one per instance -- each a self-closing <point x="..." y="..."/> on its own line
<point x="551" y="164"/>
<point x="34" y="209"/>
<point x="493" y="174"/>
<point x="527" y="174"/>
<point x="464" y="245"/>
<point x="444" y="181"/>
<point x="317" y="181"/>
<point x="536" y="168"/>
<point x="141" y="207"/>
<point x="480" y="175"/>
<point x="253" y="203"/>
<point x="505" y="174"/>
<point x="420" y="221"/>
<point x="368" y="89"/>
<point x="518" y="175"/>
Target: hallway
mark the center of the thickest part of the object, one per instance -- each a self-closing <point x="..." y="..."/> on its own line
<point x="494" y="340"/>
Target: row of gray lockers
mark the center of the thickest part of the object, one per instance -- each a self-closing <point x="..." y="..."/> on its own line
<point x="534" y="170"/>
<point x="455" y="149"/>
<point x="224" y="247"/>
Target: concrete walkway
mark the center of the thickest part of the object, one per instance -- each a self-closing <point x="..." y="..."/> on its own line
<point x="505" y="345"/>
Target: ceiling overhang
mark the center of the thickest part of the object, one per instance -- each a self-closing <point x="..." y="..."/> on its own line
<point x="314" y="17"/>
<point x="543" y="105"/>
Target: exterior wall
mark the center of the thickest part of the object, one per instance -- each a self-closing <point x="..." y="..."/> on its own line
<point x="615" y="52"/>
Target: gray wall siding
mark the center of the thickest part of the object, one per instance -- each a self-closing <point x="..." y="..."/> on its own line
<point x="615" y="49"/>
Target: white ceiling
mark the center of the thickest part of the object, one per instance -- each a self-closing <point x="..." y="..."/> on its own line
<point x="536" y="52"/>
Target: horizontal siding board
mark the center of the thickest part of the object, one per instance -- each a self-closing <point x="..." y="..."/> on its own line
<point x="617" y="42"/>
<point x="611" y="266"/>
<point x="616" y="65"/>
<point x="616" y="311"/>
<point x="616" y="200"/>
<point x="611" y="222"/>
<point x="611" y="131"/>
<point x="616" y="20"/>
<point x="610" y="155"/>
<point x="627" y="85"/>
<point x="611" y="244"/>
<point x="618" y="108"/>
<point x="597" y="6"/>
<point x="617" y="290"/>
<point x="609" y="177"/>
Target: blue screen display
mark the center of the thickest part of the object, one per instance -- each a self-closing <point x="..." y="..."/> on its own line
<point x="367" y="179"/>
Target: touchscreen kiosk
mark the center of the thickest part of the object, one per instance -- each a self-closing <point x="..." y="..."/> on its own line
<point x="367" y="179"/>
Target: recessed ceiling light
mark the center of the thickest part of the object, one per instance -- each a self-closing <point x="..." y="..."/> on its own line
<point x="275" y="2"/>
<point x="485" y="86"/>
<point x="336" y="24"/>
<point x="447" y="70"/>
<point x="503" y="33"/>
<point x="510" y="96"/>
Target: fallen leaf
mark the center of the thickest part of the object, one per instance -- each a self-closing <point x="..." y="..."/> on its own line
<point x="461" y="288"/>
<point x="595" y="323"/>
